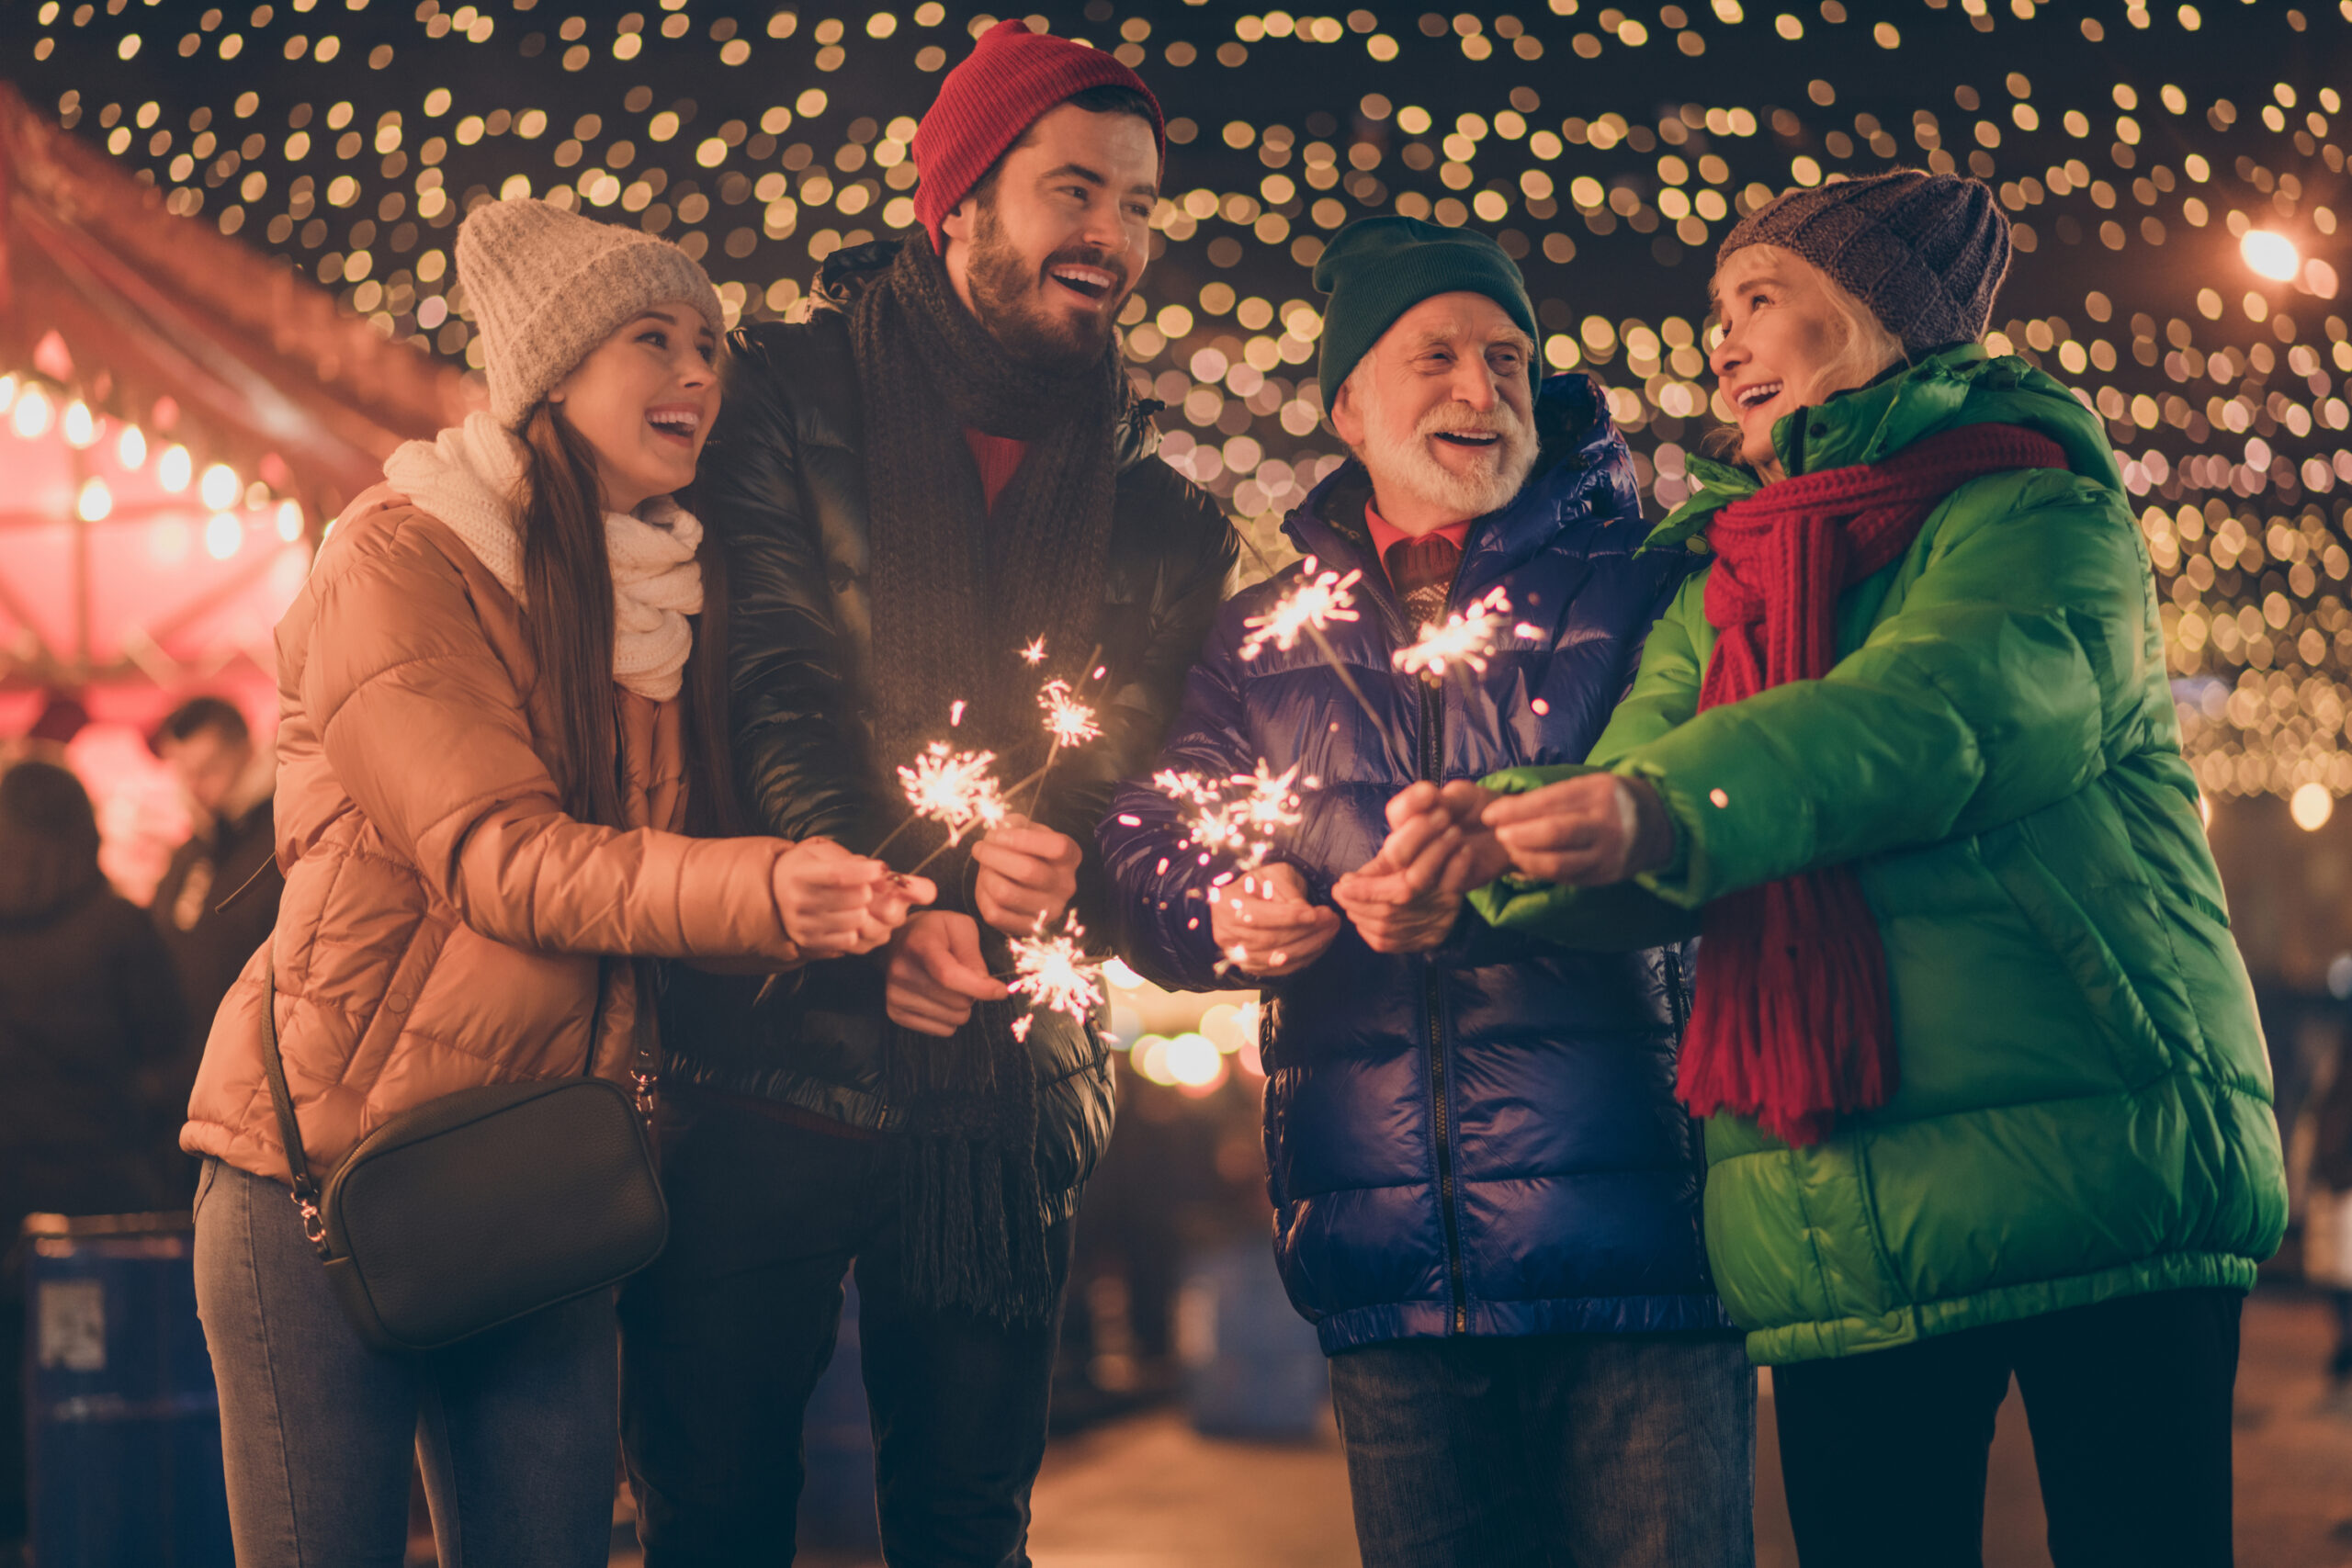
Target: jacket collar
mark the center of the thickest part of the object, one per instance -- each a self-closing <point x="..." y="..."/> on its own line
<point x="848" y="273"/>
<point x="1583" y="480"/>
<point x="1957" y="386"/>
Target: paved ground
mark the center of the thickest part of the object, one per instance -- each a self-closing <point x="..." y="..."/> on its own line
<point x="1148" y="1492"/>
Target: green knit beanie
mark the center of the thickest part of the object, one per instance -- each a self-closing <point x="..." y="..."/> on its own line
<point x="1376" y="269"/>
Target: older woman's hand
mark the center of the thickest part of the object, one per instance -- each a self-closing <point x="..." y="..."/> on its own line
<point x="1586" y="831"/>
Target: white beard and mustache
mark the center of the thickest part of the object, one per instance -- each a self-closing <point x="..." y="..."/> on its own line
<point x="1491" y="482"/>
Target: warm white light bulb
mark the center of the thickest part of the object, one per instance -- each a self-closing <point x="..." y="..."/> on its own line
<point x="218" y="489"/>
<point x="2311" y="805"/>
<point x="2271" y="255"/>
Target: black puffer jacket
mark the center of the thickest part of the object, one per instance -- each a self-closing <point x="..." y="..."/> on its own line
<point x="782" y="485"/>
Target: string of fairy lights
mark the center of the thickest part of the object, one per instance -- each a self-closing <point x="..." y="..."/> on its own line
<point x="2177" y="209"/>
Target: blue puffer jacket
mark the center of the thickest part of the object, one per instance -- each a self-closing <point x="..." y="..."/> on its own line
<point x="1482" y="1139"/>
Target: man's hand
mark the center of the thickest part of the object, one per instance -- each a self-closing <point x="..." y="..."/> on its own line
<point x="1028" y="875"/>
<point x="833" y="903"/>
<point x="936" y="972"/>
<point x="1587" y="832"/>
<point x="1265" y="926"/>
<point x="1406" y="898"/>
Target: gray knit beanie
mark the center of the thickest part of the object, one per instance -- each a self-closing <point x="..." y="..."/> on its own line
<point x="1926" y="252"/>
<point x="545" y="287"/>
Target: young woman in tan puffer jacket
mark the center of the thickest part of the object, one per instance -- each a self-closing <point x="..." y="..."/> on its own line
<point x="495" y="734"/>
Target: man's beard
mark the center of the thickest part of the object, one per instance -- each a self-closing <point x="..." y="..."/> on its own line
<point x="1005" y="296"/>
<point x="1491" y="483"/>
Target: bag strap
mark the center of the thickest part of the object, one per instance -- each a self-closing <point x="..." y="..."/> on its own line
<point x="289" y="1127"/>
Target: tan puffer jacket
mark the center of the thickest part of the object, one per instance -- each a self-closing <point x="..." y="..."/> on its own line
<point x="443" y="918"/>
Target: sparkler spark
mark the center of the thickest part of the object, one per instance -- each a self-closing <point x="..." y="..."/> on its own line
<point x="1243" y="824"/>
<point x="1320" y="598"/>
<point x="1467" y="636"/>
<point x="1055" y="974"/>
<point x="1036" y="653"/>
<point x="954" y="788"/>
<point x="1068" y="720"/>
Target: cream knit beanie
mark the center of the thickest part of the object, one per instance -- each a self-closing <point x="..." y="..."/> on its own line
<point x="545" y="287"/>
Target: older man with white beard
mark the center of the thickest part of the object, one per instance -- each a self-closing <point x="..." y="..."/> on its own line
<point x="1486" y="1198"/>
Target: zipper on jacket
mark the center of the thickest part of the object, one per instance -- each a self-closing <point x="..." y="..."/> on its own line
<point x="1433" y="1002"/>
<point x="1677" y="999"/>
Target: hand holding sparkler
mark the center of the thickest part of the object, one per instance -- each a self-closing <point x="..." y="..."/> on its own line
<point x="1408" y="897"/>
<point x="1265" y="924"/>
<point x="1586" y="831"/>
<point x="833" y="903"/>
<point x="936" y="972"/>
<point x="1028" y="875"/>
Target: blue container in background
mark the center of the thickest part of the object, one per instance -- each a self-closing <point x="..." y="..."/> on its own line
<point x="124" y="1437"/>
<point x="837" y="1499"/>
<point x="1252" y="1366"/>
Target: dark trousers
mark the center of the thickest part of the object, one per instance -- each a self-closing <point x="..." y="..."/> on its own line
<point x="1884" y="1453"/>
<point x="723" y="1340"/>
<point x="1563" y="1450"/>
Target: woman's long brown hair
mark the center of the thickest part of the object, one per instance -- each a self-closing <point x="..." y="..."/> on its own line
<point x="568" y="581"/>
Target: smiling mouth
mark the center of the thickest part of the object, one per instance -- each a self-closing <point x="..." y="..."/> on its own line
<point x="678" y="426"/>
<point x="1756" y="397"/>
<point x="1090" y="283"/>
<point x="1478" y="440"/>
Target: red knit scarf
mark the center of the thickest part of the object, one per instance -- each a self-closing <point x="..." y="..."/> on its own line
<point x="1791" y="1024"/>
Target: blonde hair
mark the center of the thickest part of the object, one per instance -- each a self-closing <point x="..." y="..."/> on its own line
<point x="1865" y="348"/>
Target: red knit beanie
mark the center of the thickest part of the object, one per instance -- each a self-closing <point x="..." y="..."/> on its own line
<point x="1005" y="85"/>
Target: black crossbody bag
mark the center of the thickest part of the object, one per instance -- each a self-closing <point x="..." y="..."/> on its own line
<point x="484" y="1206"/>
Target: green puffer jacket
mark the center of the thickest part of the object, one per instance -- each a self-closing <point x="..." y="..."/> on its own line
<point x="2084" y="1104"/>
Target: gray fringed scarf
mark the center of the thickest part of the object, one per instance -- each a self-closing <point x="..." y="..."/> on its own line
<point x="957" y="591"/>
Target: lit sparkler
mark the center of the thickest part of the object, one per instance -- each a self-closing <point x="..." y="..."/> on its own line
<point x="1068" y="720"/>
<point x="1244" y="824"/>
<point x="1320" y="598"/>
<point x="1467" y="637"/>
<point x="1055" y="973"/>
<point x="955" y="789"/>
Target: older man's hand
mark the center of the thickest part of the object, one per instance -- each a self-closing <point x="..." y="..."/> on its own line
<point x="1406" y="898"/>
<point x="1587" y="832"/>
<point x="1265" y="926"/>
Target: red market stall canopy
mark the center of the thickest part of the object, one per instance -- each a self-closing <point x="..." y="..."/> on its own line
<point x="166" y="322"/>
<point x="178" y="412"/>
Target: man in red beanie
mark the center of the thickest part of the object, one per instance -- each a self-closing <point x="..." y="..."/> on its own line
<point x="940" y="467"/>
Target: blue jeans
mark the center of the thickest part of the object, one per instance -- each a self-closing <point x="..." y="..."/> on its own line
<point x="515" y="1429"/>
<point x="1571" y="1450"/>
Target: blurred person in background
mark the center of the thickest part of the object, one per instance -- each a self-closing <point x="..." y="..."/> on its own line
<point x="212" y="906"/>
<point x="215" y="904"/>
<point x="90" y="1023"/>
<point x="2323" y="1148"/>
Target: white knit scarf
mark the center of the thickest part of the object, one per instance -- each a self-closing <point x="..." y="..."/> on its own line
<point x="469" y="478"/>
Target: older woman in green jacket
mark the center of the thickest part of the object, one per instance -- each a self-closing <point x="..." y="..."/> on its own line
<point x="1984" y="1089"/>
